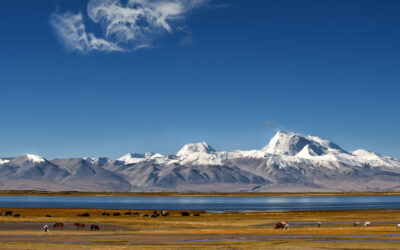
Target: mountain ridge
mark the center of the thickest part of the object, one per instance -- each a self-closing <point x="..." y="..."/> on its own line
<point x="289" y="162"/>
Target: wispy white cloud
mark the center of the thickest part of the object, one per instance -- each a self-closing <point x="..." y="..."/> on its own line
<point x="126" y="27"/>
<point x="72" y="32"/>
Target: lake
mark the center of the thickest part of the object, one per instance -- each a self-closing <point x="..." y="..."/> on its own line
<point x="216" y="204"/>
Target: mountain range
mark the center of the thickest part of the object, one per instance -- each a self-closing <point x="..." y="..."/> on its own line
<point x="291" y="162"/>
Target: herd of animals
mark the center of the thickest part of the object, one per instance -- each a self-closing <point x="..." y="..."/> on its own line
<point x="285" y="225"/>
<point x="9" y="213"/>
<point x="279" y="225"/>
<point x="78" y="226"/>
<point x="81" y="226"/>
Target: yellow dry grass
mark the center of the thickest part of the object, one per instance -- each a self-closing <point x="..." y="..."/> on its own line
<point x="208" y="231"/>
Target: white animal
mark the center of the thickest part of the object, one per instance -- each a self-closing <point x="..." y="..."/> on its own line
<point x="367" y="224"/>
<point x="46" y="228"/>
<point x="286" y="226"/>
<point x="398" y="225"/>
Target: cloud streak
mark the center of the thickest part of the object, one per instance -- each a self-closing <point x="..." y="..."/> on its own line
<point x="269" y="124"/>
<point x="125" y="27"/>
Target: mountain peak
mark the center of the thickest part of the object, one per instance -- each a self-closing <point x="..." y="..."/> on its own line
<point x="34" y="158"/>
<point x="201" y="147"/>
<point x="289" y="143"/>
<point x="135" y="158"/>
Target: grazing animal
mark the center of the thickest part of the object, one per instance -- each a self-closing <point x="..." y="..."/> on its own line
<point x="184" y="213"/>
<point x="356" y="224"/>
<point x="398" y="225"/>
<point x="135" y="213"/>
<point x="164" y="213"/>
<point x="155" y="214"/>
<point x="58" y="225"/>
<point x="287" y="226"/>
<point x="106" y="214"/>
<point x="319" y="224"/>
<point x="128" y="213"/>
<point x="47" y="215"/>
<point x="145" y="215"/>
<point x="94" y="228"/>
<point x="79" y="226"/>
<point x="17" y="215"/>
<point x="196" y="215"/>
<point x="8" y="213"/>
<point x="280" y="225"/>
<point x="46" y="228"/>
<point x="84" y="215"/>
<point x="367" y="223"/>
<point x="116" y="214"/>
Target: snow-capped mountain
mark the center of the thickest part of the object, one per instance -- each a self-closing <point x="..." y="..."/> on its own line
<point x="288" y="143"/>
<point x="26" y="171"/>
<point x="192" y="148"/>
<point x="136" y="158"/>
<point x="200" y="154"/>
<point x="32" y="158"/>
<point x="290" y="162"/>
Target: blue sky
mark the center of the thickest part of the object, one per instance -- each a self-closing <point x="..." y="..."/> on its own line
<point x="213" y="71"/>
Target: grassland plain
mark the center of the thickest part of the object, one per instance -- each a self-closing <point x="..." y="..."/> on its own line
<point x="207" y="231"/>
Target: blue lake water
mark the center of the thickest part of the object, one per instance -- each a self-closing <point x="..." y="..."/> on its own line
<point x="207" y="203"/>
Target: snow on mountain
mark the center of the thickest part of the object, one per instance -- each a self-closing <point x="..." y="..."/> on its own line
<point x="201" y="147"/>
<point x="246" y="154"/>
<point x="193" y="153"/>
<point x="306" y="153"/>
<point x="202" y="158"/>
<point x="32" y="168"/>
<point x="98" y="161"/>
<point x="290" y="162"/>
<point x="131" y="158"/>
<point x="136" y="158"/>
<point x="373" y="159"/>
<point x="4" y="161"/>
<point x="85" y="175"/>
<point x="34" y="158"/>
<point x="26" y="160"/>
<point x="286" y="149"/>
<point x="200" y="154"/>
<point x="288" y="143"/>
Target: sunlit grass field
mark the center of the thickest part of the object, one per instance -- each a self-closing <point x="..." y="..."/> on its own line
<point x="209" y="231"/>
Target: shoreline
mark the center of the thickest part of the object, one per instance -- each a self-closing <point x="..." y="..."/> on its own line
<point x="179" y="194"/>
<point x="28" y="210"/>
